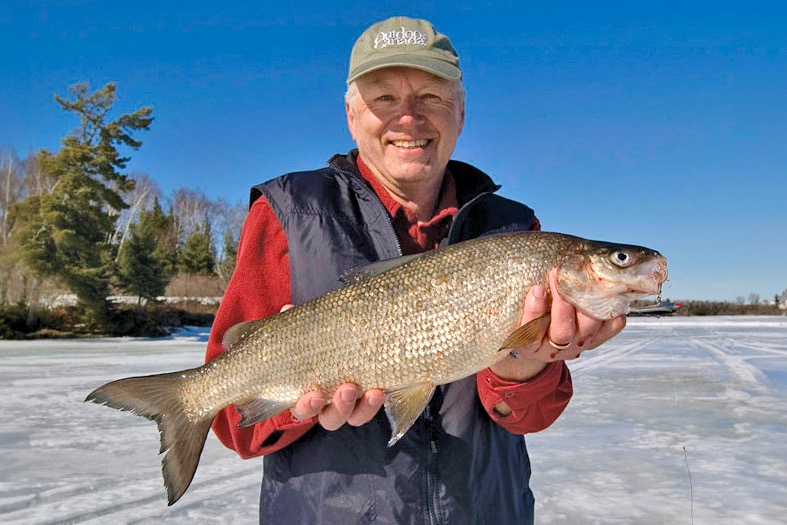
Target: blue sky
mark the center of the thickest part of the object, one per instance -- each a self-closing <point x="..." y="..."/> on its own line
<point x="653" y="123"/>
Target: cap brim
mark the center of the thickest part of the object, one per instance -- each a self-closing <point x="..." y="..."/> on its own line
<point x="435" y="66"/>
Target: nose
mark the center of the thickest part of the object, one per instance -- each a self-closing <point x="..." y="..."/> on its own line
<point x="409" y="111"/>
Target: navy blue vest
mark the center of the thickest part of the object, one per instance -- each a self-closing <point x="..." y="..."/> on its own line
<point x="455" y="465"/>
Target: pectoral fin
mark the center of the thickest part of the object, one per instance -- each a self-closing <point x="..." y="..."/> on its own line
<point x="404" y="405"/>
<point x="527" y="334"/>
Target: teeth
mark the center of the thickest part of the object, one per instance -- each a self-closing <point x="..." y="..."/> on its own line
<point x="410" y="143"/>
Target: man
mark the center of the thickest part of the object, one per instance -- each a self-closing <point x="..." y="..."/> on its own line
<point x="326" y="459"/>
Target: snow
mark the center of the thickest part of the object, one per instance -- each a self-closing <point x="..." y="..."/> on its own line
<point x="677" y="420"/>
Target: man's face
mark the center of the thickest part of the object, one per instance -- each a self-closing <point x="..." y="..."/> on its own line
<point x="405" y="123"/>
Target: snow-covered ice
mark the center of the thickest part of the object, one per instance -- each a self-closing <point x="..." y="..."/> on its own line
<point x="677" y="420"/>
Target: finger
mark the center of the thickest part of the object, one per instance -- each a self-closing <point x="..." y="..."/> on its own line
<point x="286" y="307"/>
<point x="309" y="405"/>
<point x="563" y="325"/>
<point x="607" y="331"/>
<point x="366" y="407"/>
<point x="536" y="304"/>
<point x="336" y="414"/>
<point x="587" y="330"/>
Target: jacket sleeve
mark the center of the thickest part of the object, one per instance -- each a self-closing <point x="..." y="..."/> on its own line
<point x="534" y="404"/>
<point x="259" y="287"/>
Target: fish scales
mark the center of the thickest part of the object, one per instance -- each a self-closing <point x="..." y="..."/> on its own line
<point x="431" y="320"/>
<point x="408" y="325"/>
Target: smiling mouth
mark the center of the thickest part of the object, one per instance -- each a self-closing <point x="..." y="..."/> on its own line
<point x="407" y="144"/>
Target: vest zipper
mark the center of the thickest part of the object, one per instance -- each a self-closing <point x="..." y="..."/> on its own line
<point x="432" y="503"/>
<point x="392" y="230"/>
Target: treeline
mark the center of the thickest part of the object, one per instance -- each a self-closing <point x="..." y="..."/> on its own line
<point x="700" y="308"/>
<point x="71" y="221"/>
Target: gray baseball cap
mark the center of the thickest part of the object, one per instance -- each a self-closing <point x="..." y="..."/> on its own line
<point x="404" y="42"/>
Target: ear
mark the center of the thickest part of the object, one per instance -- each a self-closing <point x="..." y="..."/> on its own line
<point x="461" y="116"/>
<point x="350" y="119"/>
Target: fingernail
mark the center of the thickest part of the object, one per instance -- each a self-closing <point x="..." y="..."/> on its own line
<point x="375" y="400"/>
<point x="349" y="394"/>
<point x="540" y="291"/>
<point x="317" y="403"/>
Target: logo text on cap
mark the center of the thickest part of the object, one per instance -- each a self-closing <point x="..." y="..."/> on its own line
<point x="399" y="37"/>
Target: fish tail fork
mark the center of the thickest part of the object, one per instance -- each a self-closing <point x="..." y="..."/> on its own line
<point x="182" y="439"/>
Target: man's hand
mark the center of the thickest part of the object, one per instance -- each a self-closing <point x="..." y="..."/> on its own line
<point x="349" y="404"/>
<point x="570" y="333"/>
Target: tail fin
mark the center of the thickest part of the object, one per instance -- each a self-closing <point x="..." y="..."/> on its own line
<point x="182" y="439"/>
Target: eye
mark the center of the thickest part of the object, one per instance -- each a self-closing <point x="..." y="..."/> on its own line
<point x="622" y="259"/>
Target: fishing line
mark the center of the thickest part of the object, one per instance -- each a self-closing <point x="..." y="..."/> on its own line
<point x="685" y="452"/>
<point x="678" y="433"/>
<point x="691" y="485"/>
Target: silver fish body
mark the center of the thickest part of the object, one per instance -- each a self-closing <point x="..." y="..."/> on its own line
<point x="433" y="319"/>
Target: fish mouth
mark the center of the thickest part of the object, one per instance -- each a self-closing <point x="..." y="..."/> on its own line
<point x="651" y="275"/>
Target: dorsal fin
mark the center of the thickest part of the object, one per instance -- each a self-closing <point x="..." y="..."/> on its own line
<point x="370" y="270"/>
<point x="238" y="331"/>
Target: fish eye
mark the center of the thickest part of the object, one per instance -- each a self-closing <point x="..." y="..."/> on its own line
<point x="621" y="259"/>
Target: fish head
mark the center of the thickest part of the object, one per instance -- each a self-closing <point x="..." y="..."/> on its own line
<point x="602" y="279"/>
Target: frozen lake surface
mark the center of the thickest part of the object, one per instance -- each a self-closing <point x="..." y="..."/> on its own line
<point x="676" y="421"/>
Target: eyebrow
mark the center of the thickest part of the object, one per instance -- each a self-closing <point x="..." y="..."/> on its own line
<point x="381" y="81"/>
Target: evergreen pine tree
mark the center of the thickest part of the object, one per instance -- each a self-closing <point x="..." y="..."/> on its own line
<point x="198" y="255"/>
<point x="65" y="233"/>
<point x="162" y="227"/>
<point x="227" y="264"/>
<point x="140" y="270"/>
